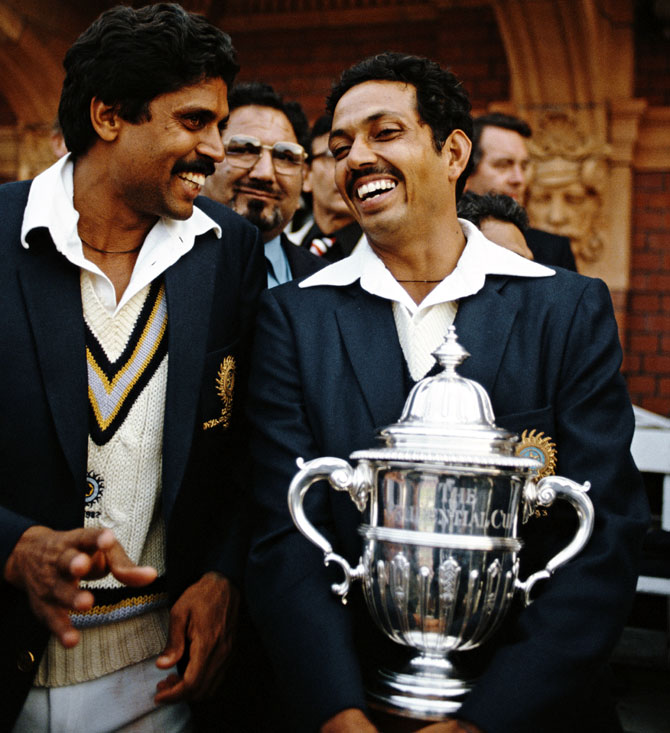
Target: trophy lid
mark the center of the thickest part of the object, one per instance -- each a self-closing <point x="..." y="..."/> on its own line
<point x="448" y="419"/>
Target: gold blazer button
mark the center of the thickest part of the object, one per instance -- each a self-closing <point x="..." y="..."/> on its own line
<point x="25" y="660"/>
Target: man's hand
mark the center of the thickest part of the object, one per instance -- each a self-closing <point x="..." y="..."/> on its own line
<point x="48" y="566"/>
<point x="204" y="617"/>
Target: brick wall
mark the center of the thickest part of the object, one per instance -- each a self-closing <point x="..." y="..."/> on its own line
<point x="652" y="56"/>
<point x="647" y="341"/>
<point x="647" y="344"/>
<point x="302" y="62"/>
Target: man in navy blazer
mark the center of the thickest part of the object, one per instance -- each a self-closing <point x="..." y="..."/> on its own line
<point x="128" y="304"/>
<point x="335" y="357"/>
<point x="500" y="162"/>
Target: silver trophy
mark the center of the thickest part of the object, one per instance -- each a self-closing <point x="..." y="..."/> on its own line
<point x="442" y="495"/>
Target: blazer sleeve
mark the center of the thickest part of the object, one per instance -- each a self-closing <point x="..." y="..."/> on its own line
<point x="305" y="628"/>
<point x="12" y="526"/>
<point x="542" y="675"/>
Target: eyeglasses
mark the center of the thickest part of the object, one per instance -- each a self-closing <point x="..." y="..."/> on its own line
<point x="244" y="151"/>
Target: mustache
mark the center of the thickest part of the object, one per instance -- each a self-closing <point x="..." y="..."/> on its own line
<point x="260" y="186"/>
<point x="358" y="173"/>
<point x="199" y="165"/>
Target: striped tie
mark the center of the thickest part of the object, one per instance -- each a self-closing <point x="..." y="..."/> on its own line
<point x="321" y="246"/>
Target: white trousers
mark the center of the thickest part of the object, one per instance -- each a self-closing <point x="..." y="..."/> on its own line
<point x="121" y="701"/>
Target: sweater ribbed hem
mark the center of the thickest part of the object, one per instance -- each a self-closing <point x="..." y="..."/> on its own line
<point x="103" y="649"/>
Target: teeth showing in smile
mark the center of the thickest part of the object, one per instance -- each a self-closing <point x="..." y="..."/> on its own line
<point x="196" y="179"/>
<point x="375" y="188"/>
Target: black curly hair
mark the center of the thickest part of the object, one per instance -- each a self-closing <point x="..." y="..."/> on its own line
<point x="128" y="57"/>
<point x="477" y="208"/>
<point x="442" y="102"/>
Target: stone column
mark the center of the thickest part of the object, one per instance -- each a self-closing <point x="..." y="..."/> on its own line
<point x="571" y="65"/>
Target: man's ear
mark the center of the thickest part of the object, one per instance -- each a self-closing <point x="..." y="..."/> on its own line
<point x="457" y="147"/>
<point x="104" y="119"/>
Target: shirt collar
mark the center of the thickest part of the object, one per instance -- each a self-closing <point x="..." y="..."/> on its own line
<point x="480" y="258"/>
<point x="50" y="205"/>
<point x="279" y="270"/>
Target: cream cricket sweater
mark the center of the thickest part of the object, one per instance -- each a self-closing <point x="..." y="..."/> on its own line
<point x="127" y="376"/>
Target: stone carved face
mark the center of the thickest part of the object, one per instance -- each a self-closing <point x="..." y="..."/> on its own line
<point x="562" y="200"/>
<point x="565" y="195"/>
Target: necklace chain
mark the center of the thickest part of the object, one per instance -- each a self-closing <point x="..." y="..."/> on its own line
<point x="110" y="251"/>
<point x="419" y="281"/>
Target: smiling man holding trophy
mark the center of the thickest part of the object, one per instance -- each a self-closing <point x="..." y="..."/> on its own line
<point x="337" y="356"/>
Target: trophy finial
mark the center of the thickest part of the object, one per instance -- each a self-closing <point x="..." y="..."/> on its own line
<point x="450" y="354"/>
<point x="447" y="405"/>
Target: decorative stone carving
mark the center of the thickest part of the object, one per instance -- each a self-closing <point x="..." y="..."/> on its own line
<point x="569" y="180"/>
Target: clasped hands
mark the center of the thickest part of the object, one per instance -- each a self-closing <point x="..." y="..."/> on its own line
<point x="48" y="566"/>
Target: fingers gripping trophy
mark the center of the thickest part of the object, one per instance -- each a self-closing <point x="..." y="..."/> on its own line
<point x="442" y="496"/>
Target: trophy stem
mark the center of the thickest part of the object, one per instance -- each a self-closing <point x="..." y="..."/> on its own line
<point x="428" y="688"/>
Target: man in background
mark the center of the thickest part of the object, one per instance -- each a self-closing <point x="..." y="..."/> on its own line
<point x="266" y="142"/>
<point x="333" y="232"/>
<point x="500" y="164"/>
<point x="499" y="218"/>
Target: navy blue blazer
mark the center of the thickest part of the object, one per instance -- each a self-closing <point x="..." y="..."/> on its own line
<point x="212" y="295"/>
<point x="301" y="261"/>
<point x="328" y="371"/>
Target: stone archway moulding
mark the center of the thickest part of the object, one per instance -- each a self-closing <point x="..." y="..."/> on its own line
<point x="571" y="74"/>
<point x="33" y="39"/>
<point x="32" y="72"/>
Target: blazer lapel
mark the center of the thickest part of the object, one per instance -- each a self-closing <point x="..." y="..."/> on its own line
<point x="371" y="341"/>
<point x="52" y="294"/>
<point x="483" y="324"/>
<point x="301" y="261"/>
<point x="188" y="286"/>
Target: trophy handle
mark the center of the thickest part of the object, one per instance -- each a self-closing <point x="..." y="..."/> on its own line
<point x="543" y="494"/>
<point x="342" y="477"/>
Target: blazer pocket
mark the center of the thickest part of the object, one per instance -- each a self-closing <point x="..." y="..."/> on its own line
<point x="218" y="394"/>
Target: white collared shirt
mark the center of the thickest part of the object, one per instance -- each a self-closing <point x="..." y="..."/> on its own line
<point x="50" y="204"/>
<point x="421" y="327"/>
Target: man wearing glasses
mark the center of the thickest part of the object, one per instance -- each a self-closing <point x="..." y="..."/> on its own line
<point x="262" y="174"/>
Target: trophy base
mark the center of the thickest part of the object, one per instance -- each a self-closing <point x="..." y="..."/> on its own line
<point x="427" y="689"/>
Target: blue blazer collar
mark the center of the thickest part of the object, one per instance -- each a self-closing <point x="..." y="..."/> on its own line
<point x="50" y="286"/>
<point x="484" y="322"/>
<point x="371" y="341"/>
<point x="189" y="286"/>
